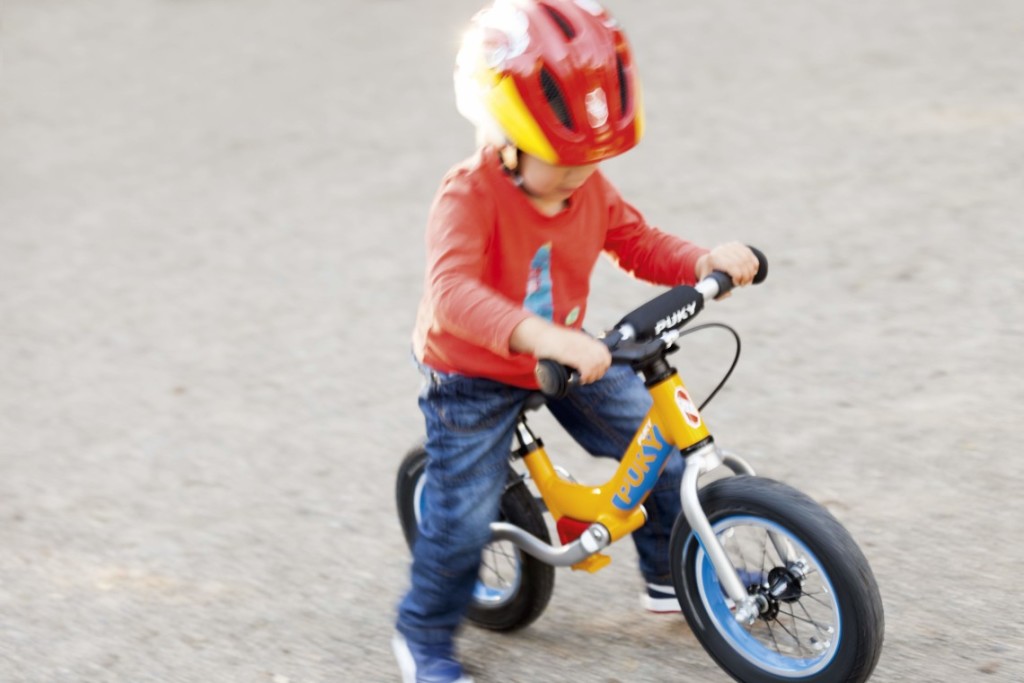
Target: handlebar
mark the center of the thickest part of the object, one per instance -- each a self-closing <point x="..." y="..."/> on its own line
<point x="649" y="328"/>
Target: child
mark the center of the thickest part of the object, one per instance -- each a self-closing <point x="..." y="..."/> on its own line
<point x="512" y="238"/>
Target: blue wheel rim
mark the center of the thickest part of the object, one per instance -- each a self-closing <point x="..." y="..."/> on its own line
<point x="822" y="633"/>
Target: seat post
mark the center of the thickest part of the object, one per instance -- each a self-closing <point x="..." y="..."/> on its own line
<point x="528" y="441"/>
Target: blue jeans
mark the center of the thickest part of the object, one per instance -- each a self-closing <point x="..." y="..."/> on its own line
<point x="470" y="425"/>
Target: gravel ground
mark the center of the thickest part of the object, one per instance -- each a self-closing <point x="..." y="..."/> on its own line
<point x="210" y="255"/>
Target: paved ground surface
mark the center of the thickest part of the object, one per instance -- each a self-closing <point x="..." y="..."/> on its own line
<point x="210" y="255"/>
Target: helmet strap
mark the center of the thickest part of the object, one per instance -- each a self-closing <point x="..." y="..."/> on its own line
<point x="509" y="155"/>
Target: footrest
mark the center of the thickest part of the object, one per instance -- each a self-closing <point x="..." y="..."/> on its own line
<point x="594" y="563"/>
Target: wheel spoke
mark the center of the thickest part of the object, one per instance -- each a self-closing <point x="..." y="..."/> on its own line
<point x="820" y="626"/>
<point x="826" y="628"/>
<point x="792" y="634"/>
<point x="815" y="597"/>
<point x="765" y="560"/>
<point x="499" y="567"/>
<point x="771" y="634"/>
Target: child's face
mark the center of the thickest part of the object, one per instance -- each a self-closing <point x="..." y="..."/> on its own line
<point x="549" y="183"/>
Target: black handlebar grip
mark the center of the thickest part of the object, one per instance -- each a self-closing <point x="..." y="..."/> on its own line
<point x="725" y="283"/>
<point x="552" y="378"/>
<point x="762" y="265"/>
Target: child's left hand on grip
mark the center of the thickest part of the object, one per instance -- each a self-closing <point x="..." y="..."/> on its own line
<point x="734" y="258"/>
<point x="570" y="347"/>
<point x="578" y="350"/>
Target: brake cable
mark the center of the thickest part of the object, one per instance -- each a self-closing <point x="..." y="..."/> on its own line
<point x="735" y="358"/>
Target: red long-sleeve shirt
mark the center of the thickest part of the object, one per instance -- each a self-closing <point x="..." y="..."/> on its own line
<point x="493" y="259"/>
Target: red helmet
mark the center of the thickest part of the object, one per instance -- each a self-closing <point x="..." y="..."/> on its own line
<point x="554" y="77"/>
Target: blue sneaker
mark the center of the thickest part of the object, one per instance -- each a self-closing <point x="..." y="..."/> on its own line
<point x="427" y="663"/>
<point x="752" y="577"/>
<point x="660" y="599"/>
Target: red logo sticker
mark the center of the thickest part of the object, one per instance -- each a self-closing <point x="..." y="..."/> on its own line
<point x="687" y="408"/>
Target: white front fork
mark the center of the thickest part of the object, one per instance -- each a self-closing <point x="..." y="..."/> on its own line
<point x="704" y="460"/>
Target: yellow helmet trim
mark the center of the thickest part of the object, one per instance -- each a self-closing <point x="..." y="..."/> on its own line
<point x="638" y="107"/>
<point x="507" y="106"/>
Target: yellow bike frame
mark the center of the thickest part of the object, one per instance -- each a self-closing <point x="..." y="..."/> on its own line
<point x="672" y="422"/>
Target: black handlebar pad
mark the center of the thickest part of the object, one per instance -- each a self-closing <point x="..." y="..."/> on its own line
<point x="673" y="308"/>
<point x="664" y="312"/>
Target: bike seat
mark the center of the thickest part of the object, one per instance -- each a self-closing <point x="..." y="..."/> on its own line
<point x="534" y="401"/>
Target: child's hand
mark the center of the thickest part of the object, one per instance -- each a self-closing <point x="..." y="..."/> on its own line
<point x="569" y="347"/>
<point x="577" y="350"/>
<point x="732" y="258"/>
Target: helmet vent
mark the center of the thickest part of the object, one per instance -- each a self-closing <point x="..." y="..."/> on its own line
<point x="555" y="98"/>
<point x="562" y="22"/>
<point x="623" y="85"/>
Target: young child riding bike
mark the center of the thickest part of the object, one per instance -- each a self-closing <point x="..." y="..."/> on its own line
<point x="512" y="238"/>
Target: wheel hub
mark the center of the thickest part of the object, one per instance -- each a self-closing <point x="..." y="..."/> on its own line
<point x="783" y="585"/>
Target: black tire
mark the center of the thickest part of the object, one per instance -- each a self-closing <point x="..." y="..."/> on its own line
<point x="514" y="588"/>
<point x="750" y="515"/>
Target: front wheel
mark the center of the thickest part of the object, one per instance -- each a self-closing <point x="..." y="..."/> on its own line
<point x="513" y="588"/>
<point x="821" y="612"/>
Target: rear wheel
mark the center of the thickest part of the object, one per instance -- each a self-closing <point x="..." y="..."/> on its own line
<point x="513" y="588"/>
<point x="821" y="612"/>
